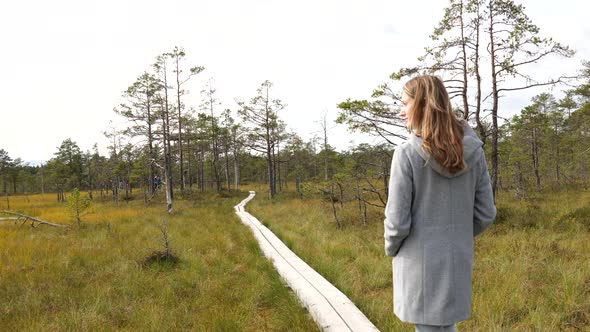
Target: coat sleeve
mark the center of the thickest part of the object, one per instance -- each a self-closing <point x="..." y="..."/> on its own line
<point x="398" y="211"/>
<point x="484" y="211"/>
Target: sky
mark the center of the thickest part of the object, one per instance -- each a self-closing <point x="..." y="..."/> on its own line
<point x="64" y="64"/>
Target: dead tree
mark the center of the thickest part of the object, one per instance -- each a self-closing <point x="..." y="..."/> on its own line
<point x="28" y="218"/>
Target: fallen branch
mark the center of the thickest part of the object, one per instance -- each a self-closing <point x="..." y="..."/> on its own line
<point x="32" y="219"/>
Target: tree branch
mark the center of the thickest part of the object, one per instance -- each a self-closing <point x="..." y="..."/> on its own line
<point x="32" y="219"/>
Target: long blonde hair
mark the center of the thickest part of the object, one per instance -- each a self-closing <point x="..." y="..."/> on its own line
<point x="433" y="119"/>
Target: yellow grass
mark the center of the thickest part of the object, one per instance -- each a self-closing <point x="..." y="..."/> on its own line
<point x="95" y="277"/>
<point x="532" y="268"/>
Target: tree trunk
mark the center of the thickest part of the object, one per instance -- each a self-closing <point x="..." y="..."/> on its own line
<point x="480" y="128"/>
<point x="494" y="156"/>
<point x="168" y="177"/>
<point x="385" y="170"/>
<point x="189" y="169"/>
<point x="167" y="148"/>
<point x="332" y="199"/>
<point x="535" y="156"/>
<point x="278" y="163"/>
<point x="216" y="174"/>
<point x="269" y="153"/>
<point x="202" y="169"/>
<point x="227" y="176"/>
<point x="341" y="194"/>
<point x="274" y="168"/>
<point x="557" y="141"/>
<point x="236" y="171"/>
<point x="463" y="50"/>
<point x="179" y="106"/>
<point x="150" y="138"/>
<point x="269" y="163"/>
<point x="325" y="150"/>
<point x="286" y="178"/>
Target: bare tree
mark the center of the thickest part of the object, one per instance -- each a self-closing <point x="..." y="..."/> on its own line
<point x="209" y="104"/>
<point x="177" y="55"/>
<point x="514" y="42"/>
<point x="261" y="115"/>
<point x="324" y="125"/>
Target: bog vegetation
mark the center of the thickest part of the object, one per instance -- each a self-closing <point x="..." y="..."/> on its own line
<point x="113" y="272"/>
<point x="173" y="157"/>
<point x="531" y="270"/>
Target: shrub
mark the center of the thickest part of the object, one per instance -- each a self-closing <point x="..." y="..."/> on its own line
<point x="77" y="205"/>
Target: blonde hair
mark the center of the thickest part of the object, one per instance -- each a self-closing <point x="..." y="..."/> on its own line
<point x="433" y="119"/>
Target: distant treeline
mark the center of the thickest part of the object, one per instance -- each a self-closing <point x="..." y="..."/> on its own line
<point x="182" y="149"/>
<point x="547" y="145"/>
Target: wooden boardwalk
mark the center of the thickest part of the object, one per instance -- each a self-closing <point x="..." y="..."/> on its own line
<point x="328" y="306"/>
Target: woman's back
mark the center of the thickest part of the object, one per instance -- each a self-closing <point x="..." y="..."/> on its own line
<point x="433" y="263"/>
<point x="439" y="198"/>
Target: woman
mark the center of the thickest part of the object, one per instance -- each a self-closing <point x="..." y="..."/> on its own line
<point x="439" y="199"/>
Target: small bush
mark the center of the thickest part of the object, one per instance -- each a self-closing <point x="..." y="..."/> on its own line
<point x="162" y="258"/>
<point x="77" y="205"/>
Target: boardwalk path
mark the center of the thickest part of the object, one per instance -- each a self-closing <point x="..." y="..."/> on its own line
<point x="329" y="307"/>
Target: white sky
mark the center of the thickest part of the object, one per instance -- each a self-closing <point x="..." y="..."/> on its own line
<point x="64" y="64"/>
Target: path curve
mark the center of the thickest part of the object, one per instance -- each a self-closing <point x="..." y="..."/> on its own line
<point x="328" y="306"/>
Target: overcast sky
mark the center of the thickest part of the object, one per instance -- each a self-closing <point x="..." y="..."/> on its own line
<point x="64" y="64"/>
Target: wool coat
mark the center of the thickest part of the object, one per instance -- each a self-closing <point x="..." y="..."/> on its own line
<point x="431" y="219"/>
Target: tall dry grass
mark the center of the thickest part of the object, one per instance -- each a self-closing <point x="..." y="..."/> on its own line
<point x="531" y="270"/>
<point x="95" y="277"/>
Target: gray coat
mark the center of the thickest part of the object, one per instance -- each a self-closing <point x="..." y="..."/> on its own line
<point x="431" y="219"/>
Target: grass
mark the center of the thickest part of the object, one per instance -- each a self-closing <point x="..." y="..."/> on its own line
<point x="95" y="277"/>
<point x="531" y="268"/>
